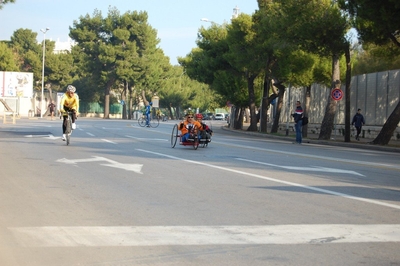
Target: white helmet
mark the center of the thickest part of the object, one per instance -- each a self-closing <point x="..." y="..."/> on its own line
<point x="71" y="88"/>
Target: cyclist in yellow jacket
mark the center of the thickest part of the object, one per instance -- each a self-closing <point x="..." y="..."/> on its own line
<point x="69" y="103"/>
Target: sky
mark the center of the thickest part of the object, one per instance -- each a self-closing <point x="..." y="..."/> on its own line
<point x="176" y="21"/>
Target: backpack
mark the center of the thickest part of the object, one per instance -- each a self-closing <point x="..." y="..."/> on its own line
<point x="305" y="120"/>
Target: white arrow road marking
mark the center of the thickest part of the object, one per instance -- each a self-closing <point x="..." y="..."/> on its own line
<point x="49" y="136"/>
<point x="321" y="190"/>
<point x="137" y="168"/>
<point x="310" y="169"/>
<point x="62" y="236"/>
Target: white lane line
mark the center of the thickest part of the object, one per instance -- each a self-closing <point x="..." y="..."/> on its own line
<point x="90" y="134"/>
<point x="109" y="141"/>
<point x="309" y="169"/>
<point x="280" y="181"/>
<point x="389" y="166"/>
<point x="152" y="139"/>
<point x="88" y="236"/>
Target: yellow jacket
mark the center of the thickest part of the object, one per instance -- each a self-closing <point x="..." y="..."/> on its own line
<point x="70" y="102"/>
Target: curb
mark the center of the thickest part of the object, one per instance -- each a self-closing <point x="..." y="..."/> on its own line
<point x="354" y="145"/>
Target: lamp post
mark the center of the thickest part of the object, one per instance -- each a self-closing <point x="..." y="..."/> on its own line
<point x="44" y="44"/>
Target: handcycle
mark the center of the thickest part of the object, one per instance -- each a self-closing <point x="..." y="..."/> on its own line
<point x="152" y="123"/>
<point x="194" y="139"/>
<point x="68" y="127"/>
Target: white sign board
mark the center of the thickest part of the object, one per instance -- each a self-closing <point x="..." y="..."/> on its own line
<point x="16" y="84"/>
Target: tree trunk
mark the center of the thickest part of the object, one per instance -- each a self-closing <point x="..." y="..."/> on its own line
<point x="238" y="121"/>
<point x="307" y="110"/>
<point x="252" y="106"/>
<point x="347" y="96"/>
<point x="130" y="112"/>
<point x="388" y="128"/>
<point x="281" y="93"/>
<point x="144" y="98"/>
<point x="107" y="103"/>
<point x="330" y="111"/>
<point x="171" y="113"/>
<point x="123" y="98"/>
<point x="265" y="105"/>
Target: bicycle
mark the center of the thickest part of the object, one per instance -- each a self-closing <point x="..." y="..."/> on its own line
<point x="152" y="123"/>
<point x="68" y="127"/>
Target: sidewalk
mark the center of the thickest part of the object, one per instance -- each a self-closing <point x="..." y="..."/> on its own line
<point x="393" y="146"/>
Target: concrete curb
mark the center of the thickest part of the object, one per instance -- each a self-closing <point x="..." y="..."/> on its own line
<point x="356" y="145"/>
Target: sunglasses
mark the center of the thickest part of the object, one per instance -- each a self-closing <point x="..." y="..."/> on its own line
<point x="190" y="116"/>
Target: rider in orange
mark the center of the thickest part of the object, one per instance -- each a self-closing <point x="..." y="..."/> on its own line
<point x="187" y="125"/>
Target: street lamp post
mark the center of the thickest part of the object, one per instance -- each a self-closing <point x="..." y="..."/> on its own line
<point x="44" y="44"/>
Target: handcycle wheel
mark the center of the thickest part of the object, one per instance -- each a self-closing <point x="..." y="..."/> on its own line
<point x="174" y="135"/>
<point x="154" y="122"/>
<point x="196" y="142"/>
<point x="141" y="121"/>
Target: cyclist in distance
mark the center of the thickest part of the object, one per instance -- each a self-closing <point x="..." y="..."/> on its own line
<point x="69" y="103"/>
<point x="148" y="113"/>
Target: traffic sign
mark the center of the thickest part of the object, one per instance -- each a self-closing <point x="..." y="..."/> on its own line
<point x="337" y="94"/>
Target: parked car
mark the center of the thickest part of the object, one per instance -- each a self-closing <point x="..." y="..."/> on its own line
<point x="219" y="116"/>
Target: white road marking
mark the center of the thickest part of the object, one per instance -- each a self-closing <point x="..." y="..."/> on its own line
<point x="109" y="141"/>
<point x="152" y="139"/>
<point x="310" y="169"/>
<point x="95" y="236"/>
<point x="390" y="166"/>
<point x="90" y="134"/>
<point x="48" y="136"/>
<point x="280" y="181"/>
<point x="137" y="168"/>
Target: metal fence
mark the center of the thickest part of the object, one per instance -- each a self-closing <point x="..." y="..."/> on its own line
<point x="376" y="94"/>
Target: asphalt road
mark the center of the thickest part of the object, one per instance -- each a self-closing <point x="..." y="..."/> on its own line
<point x="120" y="195"/>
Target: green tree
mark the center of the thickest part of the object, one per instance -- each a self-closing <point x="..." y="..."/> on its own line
<point x="113" y="46"/>
<point x="23" y="42"/>
<point x="379" y="23"/>
<point x="7" y="59"/>
<point x="3" y="2"/>
<point x="319" y="27"/>
<point x="245" y="58"/>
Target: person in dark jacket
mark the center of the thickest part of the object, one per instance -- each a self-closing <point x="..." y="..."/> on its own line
<point x="298" y="120"/>
<point x="358" y="122"/>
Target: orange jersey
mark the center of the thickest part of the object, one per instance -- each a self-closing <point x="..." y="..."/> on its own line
<point x="184" y="126"/>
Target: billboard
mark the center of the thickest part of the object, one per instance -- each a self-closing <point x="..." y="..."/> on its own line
<point x="16" y="84"/>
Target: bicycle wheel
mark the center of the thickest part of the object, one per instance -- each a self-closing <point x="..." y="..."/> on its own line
<point x="68" y="130"/>
<point x="174" y="135"/>
<point x="154" y="122"/>
<point x="141" y="121"/>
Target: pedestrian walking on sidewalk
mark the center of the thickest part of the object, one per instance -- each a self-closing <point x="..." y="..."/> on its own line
<point x="358" y="122"/>
<point x="298" y="122"/>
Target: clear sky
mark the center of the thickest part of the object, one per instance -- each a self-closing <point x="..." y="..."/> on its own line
<point x="176" y="21"/>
